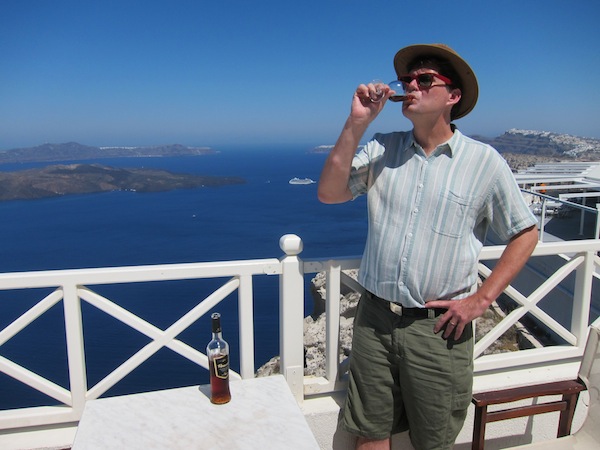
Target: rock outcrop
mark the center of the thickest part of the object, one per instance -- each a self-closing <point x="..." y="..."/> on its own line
<point x="315" y="339"/>
<point x="314" y="329"/>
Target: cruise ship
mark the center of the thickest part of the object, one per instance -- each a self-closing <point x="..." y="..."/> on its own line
<point x="296" y="180"/>
<point x="557" y="292"/>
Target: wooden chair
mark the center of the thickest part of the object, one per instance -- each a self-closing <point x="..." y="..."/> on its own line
<point x="588" y="437"/>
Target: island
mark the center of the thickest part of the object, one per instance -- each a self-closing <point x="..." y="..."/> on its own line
<point x="59" y="180"/>
<point x="73" y="151"/>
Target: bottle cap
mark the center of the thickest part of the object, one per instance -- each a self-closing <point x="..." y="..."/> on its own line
<point x="216" y="322"/>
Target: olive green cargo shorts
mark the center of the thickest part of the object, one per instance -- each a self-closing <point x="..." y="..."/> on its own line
<point x="405" y="377"/>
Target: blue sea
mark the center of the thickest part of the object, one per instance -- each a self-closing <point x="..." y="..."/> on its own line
<point x="232" y="222"/>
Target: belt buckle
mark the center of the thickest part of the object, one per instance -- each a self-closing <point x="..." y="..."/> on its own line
<point x="396" y="308"/>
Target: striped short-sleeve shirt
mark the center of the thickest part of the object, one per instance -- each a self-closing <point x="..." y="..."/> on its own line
<point x="428" y="216"/>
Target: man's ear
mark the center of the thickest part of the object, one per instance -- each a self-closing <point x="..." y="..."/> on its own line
<point x="455" y="96"/>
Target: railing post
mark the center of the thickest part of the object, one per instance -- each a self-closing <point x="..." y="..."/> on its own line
<point x="597" y="229"/>
<point x="582" y="298"/>
<point x="75" y="347"/>
<point x="332" y="313"/>
<point x="582" y="217"/>
<point x="245" y="317"/>
<point x="542" y="220"/>
<point x="291" y="315"/>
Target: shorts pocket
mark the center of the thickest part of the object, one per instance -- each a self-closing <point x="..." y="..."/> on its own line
<point x="462" y="400"/>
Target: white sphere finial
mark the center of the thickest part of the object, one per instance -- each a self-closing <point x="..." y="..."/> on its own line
<point x="291" y="244"/>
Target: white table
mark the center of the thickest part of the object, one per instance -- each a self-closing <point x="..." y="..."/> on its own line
<point x="262" y="414"/>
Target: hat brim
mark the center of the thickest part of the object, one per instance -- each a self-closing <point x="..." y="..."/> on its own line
<point x="470" y="87"/>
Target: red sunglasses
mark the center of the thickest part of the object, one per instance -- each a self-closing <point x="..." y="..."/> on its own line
<point x="424" y="80"/>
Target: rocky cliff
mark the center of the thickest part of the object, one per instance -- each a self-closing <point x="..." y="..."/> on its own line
<point x="530" y="147"/>
<point x="545" y="143"/>
<point x="314" y="329"/>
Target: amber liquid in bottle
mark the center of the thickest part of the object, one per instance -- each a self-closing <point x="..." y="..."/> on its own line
<point x="217" y="351"/>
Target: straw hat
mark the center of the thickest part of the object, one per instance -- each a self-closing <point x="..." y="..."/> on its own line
<point x="470" y="89"/>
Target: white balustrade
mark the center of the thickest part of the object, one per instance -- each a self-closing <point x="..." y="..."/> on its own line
<point x="76" y="286"/>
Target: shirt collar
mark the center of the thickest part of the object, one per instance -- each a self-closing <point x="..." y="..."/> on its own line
<point x="452" y="143"/>
<point x="449" y="147"/>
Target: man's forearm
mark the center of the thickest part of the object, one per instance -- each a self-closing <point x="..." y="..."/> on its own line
<point x="333" y="183"/>
<point x="462" y="312"/>
<point x="514" y="257"/>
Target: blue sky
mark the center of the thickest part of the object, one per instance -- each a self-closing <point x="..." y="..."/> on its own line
<point x="237" y="72"/>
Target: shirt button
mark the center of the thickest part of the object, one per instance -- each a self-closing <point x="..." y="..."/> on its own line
<point x="410" y="235"/>
<point x="404" y="259"/>
<point x="416" y="210"/>
<point x="420" y="186"/>
<point x="401" y="283"/>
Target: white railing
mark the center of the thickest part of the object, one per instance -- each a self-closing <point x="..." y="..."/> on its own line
<point x="76" y="286"/>
<point x="582" y="263"/>
<point x="568" y="206"/>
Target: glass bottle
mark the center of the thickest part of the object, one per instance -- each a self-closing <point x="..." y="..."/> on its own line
<point x="217" y="351"/>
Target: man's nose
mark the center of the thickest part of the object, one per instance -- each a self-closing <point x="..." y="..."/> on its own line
<point x="413" y="85"/>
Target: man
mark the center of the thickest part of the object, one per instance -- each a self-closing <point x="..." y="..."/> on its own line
<point x="432" y="194"/>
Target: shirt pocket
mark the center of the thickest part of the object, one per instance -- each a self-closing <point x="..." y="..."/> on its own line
<point x="453" y="217"/>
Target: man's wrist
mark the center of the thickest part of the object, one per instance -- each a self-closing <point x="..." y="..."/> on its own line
<point x="356" y="127"/>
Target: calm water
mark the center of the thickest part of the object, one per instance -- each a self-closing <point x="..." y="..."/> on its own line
<point x="125" y="228"/>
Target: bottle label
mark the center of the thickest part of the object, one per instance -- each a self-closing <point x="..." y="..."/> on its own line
<point x="221" y="366"/>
